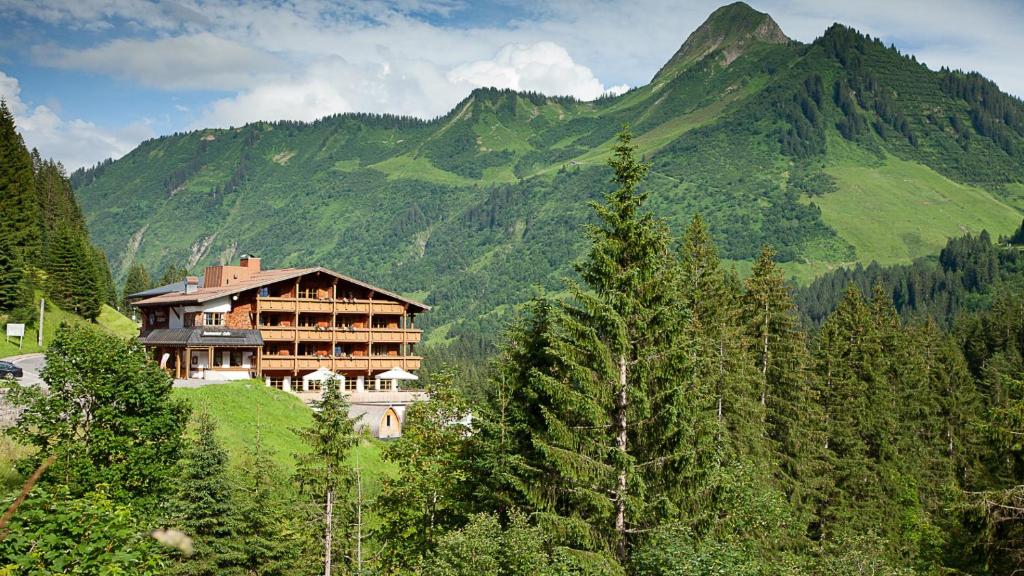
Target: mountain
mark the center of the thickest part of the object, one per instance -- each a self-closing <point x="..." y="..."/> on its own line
<point x="835" y="152"/>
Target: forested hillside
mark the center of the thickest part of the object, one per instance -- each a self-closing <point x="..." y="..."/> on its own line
<point x="839" y="151"/>
<point x="659" y="416"/>
<point x="44" y="244"/>
<point x="963" y="277"/>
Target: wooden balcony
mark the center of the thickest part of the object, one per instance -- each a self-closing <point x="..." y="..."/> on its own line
<point x="343" y="335"/>
<point x="328" y="306"/>
<point x="352" y="363"/>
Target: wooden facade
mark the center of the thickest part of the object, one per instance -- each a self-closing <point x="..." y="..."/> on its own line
<point x="306" y="319"/>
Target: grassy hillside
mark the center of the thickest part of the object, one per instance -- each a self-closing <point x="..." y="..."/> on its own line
<point x="837" y="151"/>
<point x="240" y="408"/>
<point x="109" y="319"/>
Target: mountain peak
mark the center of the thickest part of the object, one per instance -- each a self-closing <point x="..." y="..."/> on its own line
<point x="731" y="29"/>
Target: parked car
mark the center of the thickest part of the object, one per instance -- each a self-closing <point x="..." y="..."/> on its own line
<point x="9" y="371"/>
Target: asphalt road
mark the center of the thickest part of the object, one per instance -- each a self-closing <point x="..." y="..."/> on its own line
<point x="31" y="365"/>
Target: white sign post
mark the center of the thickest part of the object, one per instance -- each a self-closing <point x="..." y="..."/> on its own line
<point x="42" y="312"/>
<point x="16" y="330"/>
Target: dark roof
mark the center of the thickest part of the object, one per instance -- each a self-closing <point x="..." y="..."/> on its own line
<point x="202" y="336"/>
<point x="262" y="278"/>
<point x="160" y="290"/>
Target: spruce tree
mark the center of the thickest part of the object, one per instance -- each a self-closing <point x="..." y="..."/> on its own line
<point x="719" y="358"/>
<point x="174" y="273"/>
<point x="324" y="473"/>
<point x="10" y="276"/>
<point x="137" y="280"/>
<point x="787" y="389"/>
<point x="203" y="506"/>
<point x="271" y="534"/>
<point x="19" y="207"/>
<point x="606" y="428"/>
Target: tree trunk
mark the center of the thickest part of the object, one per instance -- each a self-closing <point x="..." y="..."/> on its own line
<point x="328" y="531"/>
<point x="764" y="353"/>
<point x="621" y="402"/>
<point x="359" y="522"/>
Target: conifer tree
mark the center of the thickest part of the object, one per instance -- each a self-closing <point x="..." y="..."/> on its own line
<point x="271" y="522"/>
<point x="174" y="273"/>
<point x="10" y="276"/>
<point x="425" y="499"/>
<point x="325" y="473"/>
<point x="846" y="359"/>
<point x="719" y="355"/>
<point x="137" y="280"/>
<point x="73" y="279"/>
<point x="606" y="428"/>
<point x="203" y="506"/>
<point x="19" y="208"/>
<point x="787" y="390"/>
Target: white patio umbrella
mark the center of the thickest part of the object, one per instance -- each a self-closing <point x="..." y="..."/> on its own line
<point x="396" y="374"/>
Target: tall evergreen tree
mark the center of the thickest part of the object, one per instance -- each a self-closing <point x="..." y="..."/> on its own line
<point x="203" y="505"/>
<point x="793" y="417"/>
<point x="174" y="273"/>
<point x="425" y="499"/>
<point x="19" y="208"/>
<point x="271" y="529"/>
<point x="719" y="356"/>
<point x="605" y="430"/>
<point x="74" y="280"/>
<point x="136" y="281"/>
<point x="10" y="276"/>
<point x="325" y="472"/>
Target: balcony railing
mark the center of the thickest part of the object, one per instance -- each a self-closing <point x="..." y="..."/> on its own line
<point x="340" y="334"/>
<point x="327" y="305"/>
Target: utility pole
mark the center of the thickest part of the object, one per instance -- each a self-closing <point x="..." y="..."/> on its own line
<point x="42" y="311"/>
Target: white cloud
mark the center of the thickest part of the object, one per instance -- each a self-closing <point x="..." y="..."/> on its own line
<point x="200" y="61"/>
<point x="307" y="101"/>
<point x="75" y="142"/>
<point x="542" y="67"/>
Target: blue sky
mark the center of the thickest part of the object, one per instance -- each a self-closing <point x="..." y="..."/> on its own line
<point x="90" y="79"/>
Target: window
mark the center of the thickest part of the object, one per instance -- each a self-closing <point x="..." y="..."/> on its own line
<point x="265" y="292"/>
<point x="218" y="358"/>
<point x="350" y="383"/>
<point x="307" y="349"/>
<point x="277" y="382"/>
<point x="382" y="349"/>
<point x="213" y="319"/>
<point x="381" y="321"/>
<point x="307" y="292"/>
<point x="388" y="417"/>
<point x="236" y="358"/>
<point x="315" y="385"/>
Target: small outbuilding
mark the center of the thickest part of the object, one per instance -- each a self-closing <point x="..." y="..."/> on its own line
<point x="383" y="421"/>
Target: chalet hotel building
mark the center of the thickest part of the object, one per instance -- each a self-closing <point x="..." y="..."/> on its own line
<point x="279" y="325"/>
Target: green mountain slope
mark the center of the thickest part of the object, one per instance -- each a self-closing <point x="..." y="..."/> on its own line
<point x="837" y="151"/>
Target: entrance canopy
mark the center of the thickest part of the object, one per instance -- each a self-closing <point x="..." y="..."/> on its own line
<point x="199" y="337"/>
<point x="397" y="373"/>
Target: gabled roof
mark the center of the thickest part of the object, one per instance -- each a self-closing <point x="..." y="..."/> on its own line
<point x="260" y="279"/>
<point x="165" y="289"/>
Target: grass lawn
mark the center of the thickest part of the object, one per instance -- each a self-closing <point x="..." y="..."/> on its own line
<point x="239" y="408"/>
<point x="900" y="210"/>
<point x="110" y="320"/>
